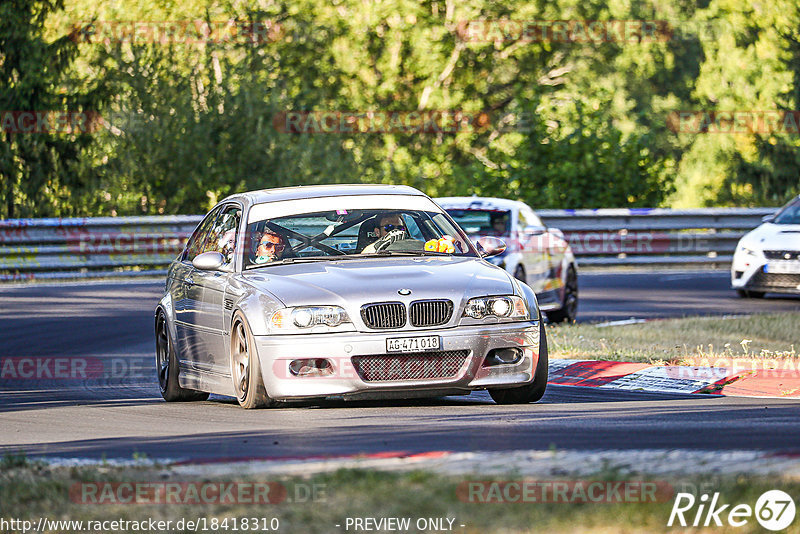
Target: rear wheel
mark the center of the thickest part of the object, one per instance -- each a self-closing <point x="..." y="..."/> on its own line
<point x="167" y="366"/>
<point x="569" y="304"/>
<point x="747" y="294"/>
<point x="533" y="391"/>
<point x="246" y="368"/>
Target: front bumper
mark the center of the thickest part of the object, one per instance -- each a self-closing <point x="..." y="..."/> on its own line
<point x="277" y="352"/>
<point x="752" y="274"/>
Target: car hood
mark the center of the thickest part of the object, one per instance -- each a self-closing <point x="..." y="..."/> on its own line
<point x="770" y="236"/>
<point x="379" y="279"/>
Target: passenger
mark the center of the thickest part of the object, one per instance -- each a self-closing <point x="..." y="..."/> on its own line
<point x="270" y="247"/>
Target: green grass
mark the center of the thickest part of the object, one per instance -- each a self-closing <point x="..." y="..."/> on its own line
<point x="42" y="491"/>
<point x="673" y="340"/>
<point x="12" y="460"/>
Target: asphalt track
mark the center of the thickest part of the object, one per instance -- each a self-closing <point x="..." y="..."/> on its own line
<point x="122" y="415"/>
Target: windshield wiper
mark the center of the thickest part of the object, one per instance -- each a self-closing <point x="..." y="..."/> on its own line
<point x="287" y="261"/>
<point x="384" y="253"/>
<point x="379" y="254"/>
<point x="307" y="259"/>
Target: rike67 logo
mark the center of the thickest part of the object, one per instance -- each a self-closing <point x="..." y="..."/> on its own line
<point x="774" y="510"/>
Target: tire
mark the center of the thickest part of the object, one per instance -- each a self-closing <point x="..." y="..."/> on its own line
<point x="519" y="274"/>
<point x="167" y="366"/>
<point x="246" y="368"/>
<point x="747" y="294"/>
<point x="535" y="390"/>
<point x="569" y="305"/>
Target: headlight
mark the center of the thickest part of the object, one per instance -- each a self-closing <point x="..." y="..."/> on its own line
<point x="505" y="307"/>
<point x="748" y="251"/>
<point x="324" y="318"/>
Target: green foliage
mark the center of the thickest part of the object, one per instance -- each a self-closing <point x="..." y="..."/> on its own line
<point x="11" y="460"/>
<point x="37" y="170"/>
<point x="572" y="124"/>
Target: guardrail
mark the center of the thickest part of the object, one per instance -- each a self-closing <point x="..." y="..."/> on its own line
<point x="655" y="236"/>
<point x="142" y="246"/>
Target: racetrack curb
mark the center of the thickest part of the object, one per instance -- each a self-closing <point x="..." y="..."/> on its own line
<point x="737" y="379"/>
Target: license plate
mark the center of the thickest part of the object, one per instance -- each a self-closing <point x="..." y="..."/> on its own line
<point x="783" y="267"/>
<point x="412" y="344"/>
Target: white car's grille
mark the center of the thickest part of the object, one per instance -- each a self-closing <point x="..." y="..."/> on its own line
<point x="782" y="254"/>
<point x="414" y="366"/>
<point x="762" y="280"/>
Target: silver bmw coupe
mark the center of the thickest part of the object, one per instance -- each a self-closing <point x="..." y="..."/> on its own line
<point x="343" y="292"/>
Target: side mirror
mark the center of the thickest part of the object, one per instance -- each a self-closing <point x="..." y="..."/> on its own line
<point x="768" y="218"/>
<point x="209" y="261"/>
<point x="489" y="246"/>
<point x="535" y="230"/>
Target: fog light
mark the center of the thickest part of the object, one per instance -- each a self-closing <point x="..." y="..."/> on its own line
<point x="503" y="357"/>
<point x="311" y="367"/>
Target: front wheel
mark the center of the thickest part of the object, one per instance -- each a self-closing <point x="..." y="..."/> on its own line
<point x="533" y="391"/>
<point x="519" y="274"/>
<point x="747" y="294"/>
<point x="569" y="304"/>
<point x="167" y="366"/>
<point x="246" y="368"/>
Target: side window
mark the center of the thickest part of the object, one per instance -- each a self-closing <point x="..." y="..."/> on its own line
<point x="522" y="220"/>
<point x="412" y="228"/>
<point x="530" y="218"/>
<point x="222" y="236"/>
<point x="195" y="244"/>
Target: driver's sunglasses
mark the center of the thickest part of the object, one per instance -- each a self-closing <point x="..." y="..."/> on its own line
<point x="271" y="244"/>
<point x="390" y="227"/>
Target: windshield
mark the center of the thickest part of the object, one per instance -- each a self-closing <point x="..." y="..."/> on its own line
<point x="482" y="221"/>
<point x="789" y="214"/>
<point x="344" y="233"/>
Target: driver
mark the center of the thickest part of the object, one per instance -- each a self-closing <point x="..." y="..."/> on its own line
<point x="499" y="223"/>
<point x="390" y="228"/>
<point x="270" y="247"/>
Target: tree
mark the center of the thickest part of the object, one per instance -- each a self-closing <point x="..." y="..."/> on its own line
<point x="37" y="168"/>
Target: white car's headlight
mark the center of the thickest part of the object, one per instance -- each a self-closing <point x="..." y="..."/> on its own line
<point x="749" y="252"/>
<point x="310" y="318"/>
<point x="503" y="307"/>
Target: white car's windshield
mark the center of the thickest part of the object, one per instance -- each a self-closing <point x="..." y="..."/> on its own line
<point x="482" y="221"/>
<point x="342" y="233"/>
<point x="789" y="214"/>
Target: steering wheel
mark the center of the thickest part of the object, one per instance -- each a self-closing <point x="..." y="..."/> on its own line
<point x="388" y="239"/>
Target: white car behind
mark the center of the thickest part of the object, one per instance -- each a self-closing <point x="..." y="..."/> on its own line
<point x="767" y="259"/>
<point x="535" y="254"/>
